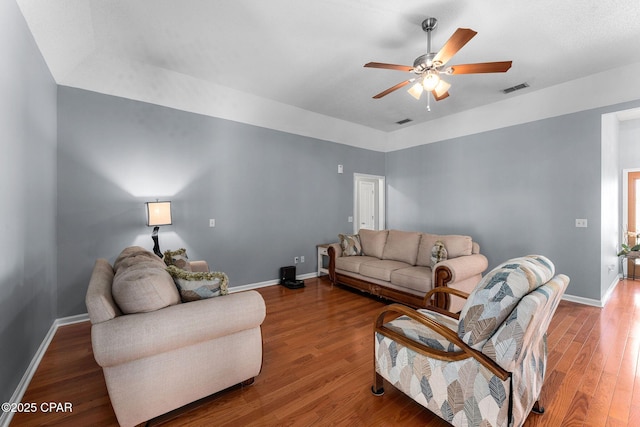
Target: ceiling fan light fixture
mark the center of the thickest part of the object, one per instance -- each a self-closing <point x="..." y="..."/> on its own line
<point x="430" y="81"/>
<point x="416" y="90"/>
<point x="442" y="88"/>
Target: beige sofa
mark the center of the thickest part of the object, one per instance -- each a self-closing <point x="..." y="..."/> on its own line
<point x="396" y="265"/>
<point x="168" y="353"/>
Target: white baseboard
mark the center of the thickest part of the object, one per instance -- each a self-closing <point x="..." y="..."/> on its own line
<point x="594" y="302"/>
<point x="5" y="417"/>
<point x="250" y="286"/>
<point x="609" y="291"/>
<point x="582" y="300"/>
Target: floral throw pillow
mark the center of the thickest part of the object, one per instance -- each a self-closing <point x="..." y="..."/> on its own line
<point x="438" y="253"/>
<point x="178" y="258"/>
<point x="194" y="286"/>
<point x="350" y="244"/>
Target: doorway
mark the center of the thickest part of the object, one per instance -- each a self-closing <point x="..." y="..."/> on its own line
<point x="369" y="202"/>
<point x="631" y="213"/>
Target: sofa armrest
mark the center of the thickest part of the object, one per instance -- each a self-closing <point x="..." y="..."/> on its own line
<point x="199" y="266"/>
<point x="333" y="251"/>
<point x="460" y="268"/>
<point x="456" y="270"/>
<point x="136" y="336"/>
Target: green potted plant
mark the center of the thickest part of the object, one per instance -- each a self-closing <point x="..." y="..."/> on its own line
<point x="629" y="251"/>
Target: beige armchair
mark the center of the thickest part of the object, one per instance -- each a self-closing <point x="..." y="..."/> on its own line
<point x="160" y="360"/>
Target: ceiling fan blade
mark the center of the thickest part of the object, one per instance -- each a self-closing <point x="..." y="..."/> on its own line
<point x="482" y="67"/>
<point x="391" y="89"/>
<point x="388" y="66"/>
<point x="441" y="97"/>
<point x="454" y="44"/>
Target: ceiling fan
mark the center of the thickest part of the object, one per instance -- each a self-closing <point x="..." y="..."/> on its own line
<point x="429" y="67"/>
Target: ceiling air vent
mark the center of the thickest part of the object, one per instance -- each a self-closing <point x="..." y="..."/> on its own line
<point x="403" y="121"/>
<point x="515" y="88"/>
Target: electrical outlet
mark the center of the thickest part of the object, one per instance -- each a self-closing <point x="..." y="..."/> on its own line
<point x="212" y="222"/>
<point x="581" y="223"/>
<point x="295" y="259"/>
<point x="302" y="258"/>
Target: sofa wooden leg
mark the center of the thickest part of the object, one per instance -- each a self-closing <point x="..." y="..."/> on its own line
<point x="248" y="382"/>
<point x="537" y="408"/>
<point x="377" y="389"/>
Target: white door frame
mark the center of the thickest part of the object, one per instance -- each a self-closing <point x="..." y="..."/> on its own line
<point x="380" y="197"/>
<point x="625" y="207"/>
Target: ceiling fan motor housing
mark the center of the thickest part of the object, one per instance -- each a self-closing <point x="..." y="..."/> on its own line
<point x="425" y="63"/>
<point x="429" y="24"/>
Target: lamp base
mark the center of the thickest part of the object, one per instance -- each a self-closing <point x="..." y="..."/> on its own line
<point x="156" y="246"/>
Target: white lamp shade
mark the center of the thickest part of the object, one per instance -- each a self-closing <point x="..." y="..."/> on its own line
<point x="442" y="88"/>
<point x="416" y="90"/>
<point x="158" y="213"/>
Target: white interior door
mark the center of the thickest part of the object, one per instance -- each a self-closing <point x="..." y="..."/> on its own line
<point x="367" y="205"/>
<point x="369" y="202"/>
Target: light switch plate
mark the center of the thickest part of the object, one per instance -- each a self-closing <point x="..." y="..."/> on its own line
<point x="212" y="222"/>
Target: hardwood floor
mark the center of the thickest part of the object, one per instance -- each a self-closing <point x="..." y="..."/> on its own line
<point x="318" y="369"/>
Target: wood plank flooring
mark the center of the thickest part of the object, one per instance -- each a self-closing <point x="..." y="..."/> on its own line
<point x="317" y="369"/>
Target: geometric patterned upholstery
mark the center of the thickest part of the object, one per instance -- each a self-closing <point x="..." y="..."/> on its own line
<point x="419" y="332"/>
<point x="496" y="384"/>
<point x="498" y="293"/>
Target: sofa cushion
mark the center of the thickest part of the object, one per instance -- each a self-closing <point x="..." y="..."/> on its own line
<point x="178" y="258"/>
<point x="497" y="294"/>
<point x="381" y="269"/>
<point x="194" y="286"/>
<point x="373" y="242"/>
<point x="353" y="263"/>
<point x="456" y="246"/>
<point x="414" y="277"/>
<point x="402" y="246"/>
<point x="144" y="287"/>
<point x="138" y="253"/>
<point x="438" y="253"/>
<point x="350" y="244"/>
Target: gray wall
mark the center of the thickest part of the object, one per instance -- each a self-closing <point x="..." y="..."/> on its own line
<point x="516" y="190"/>
<point x="27" y="188"/>
<point x="273" y="195"/>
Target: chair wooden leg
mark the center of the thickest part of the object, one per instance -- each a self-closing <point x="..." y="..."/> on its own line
<point x="537" y="408"/>
<point x="377" y="389"/>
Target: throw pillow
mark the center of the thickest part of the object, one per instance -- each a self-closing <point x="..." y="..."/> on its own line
<point x="350" y="244"/>
<point x="143" y="287"/>
<point x="178" y="258"/>
<point x="135" y="252"/>
<point x="194" y="286"/>
<point x="438" y="253"/>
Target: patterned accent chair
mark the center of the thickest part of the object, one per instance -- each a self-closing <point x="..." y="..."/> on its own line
<point x="484" y="366"/>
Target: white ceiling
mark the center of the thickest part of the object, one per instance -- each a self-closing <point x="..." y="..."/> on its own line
<point x="310" y="54"/>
